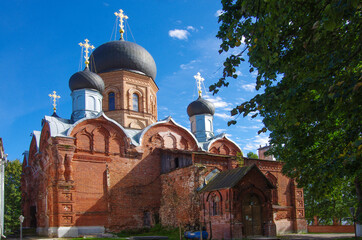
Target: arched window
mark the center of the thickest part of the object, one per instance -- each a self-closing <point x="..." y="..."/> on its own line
<point x="135" y="102"/>
<point x="214" y="204"/>
<point x="111" y="101"/>
<point x="210" y="125"/>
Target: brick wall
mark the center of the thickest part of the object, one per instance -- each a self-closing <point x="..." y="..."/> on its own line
<point x="90" y="193"/>
<point x="180" y="202"/>
<point x="135" y="191"/>
<point x="331" y="229"/>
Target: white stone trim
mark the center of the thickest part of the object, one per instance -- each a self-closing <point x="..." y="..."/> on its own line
<point x="61" y="232"/>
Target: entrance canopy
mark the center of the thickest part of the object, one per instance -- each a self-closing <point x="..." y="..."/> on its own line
<point x="230" y="178"/>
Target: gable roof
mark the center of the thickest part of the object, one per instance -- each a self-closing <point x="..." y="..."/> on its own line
<point x="229" y="178"/>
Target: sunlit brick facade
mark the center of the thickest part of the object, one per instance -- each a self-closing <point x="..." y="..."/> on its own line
<point x="125" y="169"/>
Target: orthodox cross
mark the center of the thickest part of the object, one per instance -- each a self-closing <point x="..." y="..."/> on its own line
<point x="199" y="80"/>
<point x="121" y="16"/>
<point x="54" y="97"/>
<point x="86" y="45"/>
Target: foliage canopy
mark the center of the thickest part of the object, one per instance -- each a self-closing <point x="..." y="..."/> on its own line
<point x="307" y="55"/>
<point x="12" y="196"/>
<point x="252" y="155"/>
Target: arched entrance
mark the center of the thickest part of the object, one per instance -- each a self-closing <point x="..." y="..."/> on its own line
<point x="33" y="223"/>
<point x="252" y="215"/>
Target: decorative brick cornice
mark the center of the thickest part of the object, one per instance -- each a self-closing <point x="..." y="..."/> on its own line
<point x="64" y="147"/>
<point x="91" y="158"/>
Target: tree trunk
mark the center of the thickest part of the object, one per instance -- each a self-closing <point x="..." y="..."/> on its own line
<point x="358" y="184"/>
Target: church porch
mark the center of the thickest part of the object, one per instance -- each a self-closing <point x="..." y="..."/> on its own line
<point x="237" y="204"/>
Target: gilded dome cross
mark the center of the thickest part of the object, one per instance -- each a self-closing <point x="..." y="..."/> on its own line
<point x="54" y="97"/>
<point x="86" y="45"/>
<point x="199" y="80"/>
<point x="121" y="16"/>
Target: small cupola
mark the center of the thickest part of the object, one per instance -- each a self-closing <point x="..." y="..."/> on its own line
<point x="201" y="113"/>
<point x="87" y="88"/>
<point x="200" y="106"/>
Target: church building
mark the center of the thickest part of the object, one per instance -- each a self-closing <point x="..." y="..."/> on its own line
<point x="113" y="165"/>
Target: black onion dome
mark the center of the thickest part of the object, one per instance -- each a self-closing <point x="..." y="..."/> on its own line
<point x="122" y="55"/>
<point x="86" y="79"/>
<point x="200" y="106"/>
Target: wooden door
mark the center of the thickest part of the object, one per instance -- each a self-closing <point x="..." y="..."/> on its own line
<point x="252" y="215"/>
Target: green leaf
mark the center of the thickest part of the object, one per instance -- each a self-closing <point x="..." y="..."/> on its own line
<point x="231" y="122"/>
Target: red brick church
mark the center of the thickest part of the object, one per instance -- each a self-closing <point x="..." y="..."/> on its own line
<point x="114" y="166"/>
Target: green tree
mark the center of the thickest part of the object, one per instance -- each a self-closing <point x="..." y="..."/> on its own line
<point x="335" y="205"/>
<point x="252" y="155"/>
<point x="307" y="55"/>
<point x="12" y="195"/>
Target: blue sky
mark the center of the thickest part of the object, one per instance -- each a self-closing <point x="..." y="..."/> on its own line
<point x="39" y="52"/>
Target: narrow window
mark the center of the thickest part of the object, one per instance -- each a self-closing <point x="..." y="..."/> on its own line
<point x="135" y="101"/>
<point x="111" y="101"/>
<point x="177" y="163"/>
<point x="215" y="203"/>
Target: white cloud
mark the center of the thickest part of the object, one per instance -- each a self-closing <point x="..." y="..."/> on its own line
<point x="228" y="135"/>
<point x="254" y="74"/>
<point x="189" y="65"/>
<point x="106" y="4"/>
<point x="250" y="87"/>
<point x="179" y="34"/>
<point x="218" y="102"/>
<point x="240" y="74"/>
<point x="257" y="141"/>
<point x="220" y="130"/>
<point x="191" y="28"/>
<point x="162" y="108"/>
<point x="186" y="66"/>
<point x="250" y="127"/>
<point x="223" y="116"/>
<point x="219" y="12"/>
<point x="240" y="100"/>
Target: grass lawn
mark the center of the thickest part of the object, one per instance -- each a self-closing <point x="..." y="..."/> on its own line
<point x="158" y="230"/>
